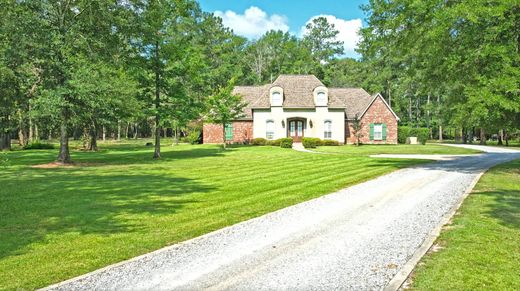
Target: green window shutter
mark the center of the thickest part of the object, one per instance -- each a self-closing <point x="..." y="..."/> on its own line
<point x="384" y="131"/>
<point x="371" y="131"/>
<point x="229" y="131"/>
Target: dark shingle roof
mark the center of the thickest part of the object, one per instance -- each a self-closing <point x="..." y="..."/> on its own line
<point x="298" y="93"/>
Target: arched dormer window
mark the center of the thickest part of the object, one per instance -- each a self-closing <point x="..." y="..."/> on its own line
<point x="276" y="96"/>
<point x="321" y="96"/>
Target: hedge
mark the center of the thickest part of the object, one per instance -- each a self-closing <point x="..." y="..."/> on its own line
<point x="38" y="146"/>
<point x="286" y="142"/>
<point x="259" y="141"/>
<point x="405" y="132"/>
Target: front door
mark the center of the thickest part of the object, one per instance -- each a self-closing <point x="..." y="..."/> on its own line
<point x="296" y="130"/>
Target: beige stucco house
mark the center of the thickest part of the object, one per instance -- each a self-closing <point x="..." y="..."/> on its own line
<point x="300" y="106"/>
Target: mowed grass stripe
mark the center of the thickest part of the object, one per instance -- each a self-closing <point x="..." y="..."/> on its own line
<point x="125" y="204"/>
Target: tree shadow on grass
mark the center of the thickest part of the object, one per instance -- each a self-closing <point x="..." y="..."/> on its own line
<point x="116" y="156"/>
<point x="59" y="202"/>
<point x="505" y="206"/>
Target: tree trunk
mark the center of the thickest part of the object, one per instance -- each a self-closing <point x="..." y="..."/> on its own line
<point x="506" y="137"/>
<point x="500" y="137"/>
<point x="104" y="133"/>
<point x="135" y="132"/>
<point x="157" y="152"/>
<point x="118" y="130"/>
<point x="440" y="133"/>
<point x="127" y="129"/>
<point x="176" y="139"/>
<point x="64" y="154"/>
<point x="463" y="136"/>
<point x="21" y="137"/>
<point x="482" y="137"/>
<point x="36" y="133"/>
<point x="224" y="135"/>
<point x="93" y="139"/>
<point x="5" y="141"/>
<point x="49" y="138"/>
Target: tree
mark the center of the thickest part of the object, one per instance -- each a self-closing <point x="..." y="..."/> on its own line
<point x="321" y="38"/>
<point x="357" y="126"/>
<point x="224" y="106"/>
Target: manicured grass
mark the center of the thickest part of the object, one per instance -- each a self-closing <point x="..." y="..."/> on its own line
<point x="396" y="149"/>
<point x="119" y="203"/>
<point x="481" y="248"/>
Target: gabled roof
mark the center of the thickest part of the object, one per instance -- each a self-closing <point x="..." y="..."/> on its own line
<point x="298" y="93"/>
<point x="374" y="98"/>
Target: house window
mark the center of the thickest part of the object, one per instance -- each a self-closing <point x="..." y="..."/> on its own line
<point x="229" y="131"/>
<point x="321" y="98"/>
<point x="269" y="129"/>
<point x="327" y="133"/>
<point x="378" y="131"/>
<point x="276" y="98"/>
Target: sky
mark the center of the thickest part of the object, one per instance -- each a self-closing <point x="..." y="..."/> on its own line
<point x="252" y="18"/>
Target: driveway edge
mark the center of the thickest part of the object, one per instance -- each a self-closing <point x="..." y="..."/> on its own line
<point x="400" y="278"/>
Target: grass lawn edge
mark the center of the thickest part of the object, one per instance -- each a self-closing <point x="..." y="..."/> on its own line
<point x="402" y="276"/>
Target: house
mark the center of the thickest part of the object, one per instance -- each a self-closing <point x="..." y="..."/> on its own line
<point x="300" y="106"/>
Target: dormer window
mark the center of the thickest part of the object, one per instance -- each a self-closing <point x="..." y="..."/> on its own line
<point x="321" y="96"/>
<point x="276" y="96"/>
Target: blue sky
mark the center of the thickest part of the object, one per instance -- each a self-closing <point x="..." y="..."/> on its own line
<point x="251" y="18"/>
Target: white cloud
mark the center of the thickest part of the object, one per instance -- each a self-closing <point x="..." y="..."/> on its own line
<point x="348" y="32"/>
<point x="253" y="23"/>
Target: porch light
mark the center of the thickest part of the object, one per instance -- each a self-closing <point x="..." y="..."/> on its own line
<point x="310" y="123"/>
<point x="283" y="123"/>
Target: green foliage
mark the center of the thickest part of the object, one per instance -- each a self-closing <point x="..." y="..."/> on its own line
<point x="194" y="137"/>
<point x="259" y="141"/>
<point x="286" y="142"/>
<point x="329" y="142"/>
<point x="37" y="145"/>
<point x="311" y="142"/>
<point x="4" y="160"/>
<point x="404" y="132"/>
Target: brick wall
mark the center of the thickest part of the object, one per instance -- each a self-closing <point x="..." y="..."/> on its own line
<point x="377" y="113"/>
<point x="242" y="131"/>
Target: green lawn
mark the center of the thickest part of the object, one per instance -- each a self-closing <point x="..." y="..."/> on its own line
<point x="481" y="248"/>
<point x="396" y="149"/>
<point x="119" y="203"/>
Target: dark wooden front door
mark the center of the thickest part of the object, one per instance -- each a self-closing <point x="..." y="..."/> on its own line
<point x="295" y="130"/>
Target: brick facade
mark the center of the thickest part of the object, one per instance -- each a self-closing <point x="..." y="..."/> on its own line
<point x="242" y="132"/>
<point x="378" y="112"/>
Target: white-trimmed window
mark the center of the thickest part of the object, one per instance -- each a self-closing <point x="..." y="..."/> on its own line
<point x="276" y="98"/>
<point x="269" y="129"/>
<point x="378" y="131"/>
<point x="327" y="129"/>
<point x="321" y="98"/>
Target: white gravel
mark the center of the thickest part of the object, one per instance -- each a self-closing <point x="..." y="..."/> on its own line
<point x="355" y="239"/>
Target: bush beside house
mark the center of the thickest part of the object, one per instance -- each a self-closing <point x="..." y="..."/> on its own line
<point x="405" y="132"/>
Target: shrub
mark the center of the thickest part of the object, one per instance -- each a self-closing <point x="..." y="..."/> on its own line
<point x="275" y="142"/>
<point x="311" y="142"/>
<point x="329" y="142"/>
<point x="4" y="160"/>
<point x="39" y="146"/>
<point x="285" y="142"/>
<point x="259" y="141"/>
<point x="193" y="137"/>
<point x="405" y="132"/>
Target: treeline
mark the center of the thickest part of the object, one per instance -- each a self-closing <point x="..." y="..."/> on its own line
<point x="138" y="68"/>
<point x="447" y="64"/>
<point x="104" y="68"/>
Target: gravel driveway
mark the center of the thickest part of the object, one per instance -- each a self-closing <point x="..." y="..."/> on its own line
<point x="355" y="239"/>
